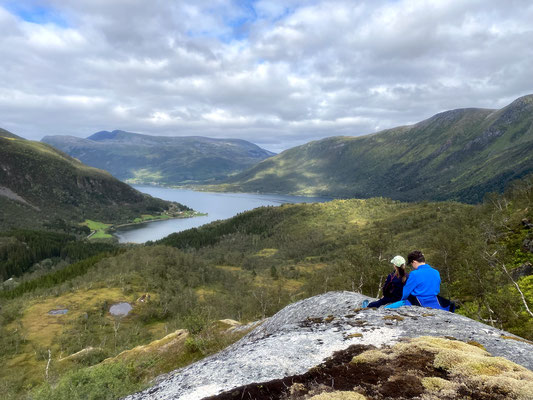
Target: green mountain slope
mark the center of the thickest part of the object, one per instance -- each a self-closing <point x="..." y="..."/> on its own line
<point x="8" y="134"/>
<point x="137" y="158"/>
<point x="459" y="155"/>
<point x="40" y="186"/>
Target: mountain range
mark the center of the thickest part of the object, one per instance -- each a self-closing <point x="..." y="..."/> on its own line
<point x="40" y="185"/>
<point x="137" y="158"/>
<point x="455" y="155"/>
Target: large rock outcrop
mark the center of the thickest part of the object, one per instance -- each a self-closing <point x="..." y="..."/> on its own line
<point x="303" y="334"/>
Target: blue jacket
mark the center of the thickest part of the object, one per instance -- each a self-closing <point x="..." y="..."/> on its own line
<point x="424" y="283"/>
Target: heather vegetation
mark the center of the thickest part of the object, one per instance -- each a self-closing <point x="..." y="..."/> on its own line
<point x="347" y="245"/>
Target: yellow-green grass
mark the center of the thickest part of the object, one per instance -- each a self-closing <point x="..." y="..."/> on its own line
<point x="99" y="228"/>
<point x="202" y="292"/>
<point x="229" y="268"/>
<point x="145" y="175"/>
<point x="264" y="280"/>
<point x="156" y="357"/>
<point x="40" y="329"/>
<point x="148" y="217"/>
<point x="267" y="252"/>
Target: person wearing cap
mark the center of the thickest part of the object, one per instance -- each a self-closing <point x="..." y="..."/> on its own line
<point x="423" y="286"/>
<point x="393" y="287"/>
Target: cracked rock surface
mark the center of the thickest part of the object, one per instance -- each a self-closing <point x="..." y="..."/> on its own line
<point x="303" y="334"/>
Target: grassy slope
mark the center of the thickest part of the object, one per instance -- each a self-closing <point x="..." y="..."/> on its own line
<point x="8" y="134"/>
<point x="55" y="186"/>
<point x="460" y="155"/>
<point x="167" y="160"/>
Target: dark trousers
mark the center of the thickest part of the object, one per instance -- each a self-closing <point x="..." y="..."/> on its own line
<point x="383" y="301"/>
<point x="444" y="303"/>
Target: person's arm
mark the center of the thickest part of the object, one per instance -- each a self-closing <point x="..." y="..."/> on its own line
<point x="410" y="285"/>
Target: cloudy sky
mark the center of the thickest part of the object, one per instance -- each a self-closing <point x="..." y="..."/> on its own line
<point x="277" y="73"/>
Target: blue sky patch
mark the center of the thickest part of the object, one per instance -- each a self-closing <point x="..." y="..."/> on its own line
<point x="35" y="12"/>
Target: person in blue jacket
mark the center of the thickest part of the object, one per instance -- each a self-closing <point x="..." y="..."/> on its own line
<point x="423" y="286"/>
<point x="393" y="287"/>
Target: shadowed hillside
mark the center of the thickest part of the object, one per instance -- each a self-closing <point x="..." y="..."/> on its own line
<point x="40" y="185"/>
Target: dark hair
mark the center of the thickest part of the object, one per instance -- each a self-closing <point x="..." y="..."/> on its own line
<point x="415" y="256"/>
<point x="399" y="272"/>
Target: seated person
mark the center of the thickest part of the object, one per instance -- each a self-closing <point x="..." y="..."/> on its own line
<point x="423" y="286"/>
<point x="393" y="287"/>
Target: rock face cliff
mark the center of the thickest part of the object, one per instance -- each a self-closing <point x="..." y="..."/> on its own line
<point x="304" y="334"/>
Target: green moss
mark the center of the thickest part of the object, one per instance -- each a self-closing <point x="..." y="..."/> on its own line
<point x="371" y="357"/>
<point x="439" y="386"/>
<point x="354" y="335"/>
<point x="465" y="364"/>
<point x="339" y="395"/>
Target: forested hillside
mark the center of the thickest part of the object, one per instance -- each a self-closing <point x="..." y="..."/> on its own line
<point x="455" y="155"/>
<point x="41" y="187"/>
<point x="169" y="160"/>
<point x="249" y="267"/>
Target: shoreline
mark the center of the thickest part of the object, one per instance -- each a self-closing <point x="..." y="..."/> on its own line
<point x="197" y="214"/>
<point x="200" y="188"/>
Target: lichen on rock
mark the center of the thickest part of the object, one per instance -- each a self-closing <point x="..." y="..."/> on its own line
<point x="296" y="341"/>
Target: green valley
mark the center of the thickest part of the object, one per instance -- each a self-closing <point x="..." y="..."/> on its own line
<point x="247" y="268"/>
<point x="194" y="292"/>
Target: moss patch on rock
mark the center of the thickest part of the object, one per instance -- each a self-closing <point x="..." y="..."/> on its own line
<point x="427" y="368"/>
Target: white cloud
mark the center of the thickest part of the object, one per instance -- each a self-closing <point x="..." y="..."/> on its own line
<point x="274" y="72"/>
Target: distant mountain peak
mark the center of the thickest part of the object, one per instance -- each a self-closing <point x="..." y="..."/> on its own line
<point x="103" y="135"/>
<point x="140" y="158"/>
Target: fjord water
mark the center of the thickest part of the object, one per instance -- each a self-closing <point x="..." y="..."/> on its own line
<point x="216" y="205"/>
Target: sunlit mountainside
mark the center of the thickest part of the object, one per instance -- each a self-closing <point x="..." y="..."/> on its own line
<point x="458" y="155"/>
<point x="137" y="158"/>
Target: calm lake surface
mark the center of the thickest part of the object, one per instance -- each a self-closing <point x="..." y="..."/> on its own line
<point x="216" y="205"/>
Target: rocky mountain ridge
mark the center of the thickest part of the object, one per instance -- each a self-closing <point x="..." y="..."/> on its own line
<point x="302" y="335"/>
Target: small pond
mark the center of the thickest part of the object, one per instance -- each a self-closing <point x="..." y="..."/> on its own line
<point x="120" y="309"/>
<point x="60" y="311"/>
